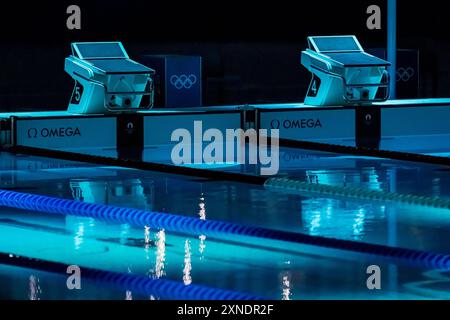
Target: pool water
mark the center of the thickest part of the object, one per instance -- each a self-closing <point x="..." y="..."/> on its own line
<point x="264" y="269"/>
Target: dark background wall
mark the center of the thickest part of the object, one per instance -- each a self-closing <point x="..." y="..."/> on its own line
<point x="250" y="49"/>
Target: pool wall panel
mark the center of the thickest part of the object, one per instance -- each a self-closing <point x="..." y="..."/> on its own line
<point x="158" y="129"/>
<point x="66" y="133"/>
<point x="415" y="128"/>
<point x="336" y="126"/>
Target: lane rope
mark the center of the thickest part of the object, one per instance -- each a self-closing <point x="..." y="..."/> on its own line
<point x="351" y="192"/>
<point x="162" y="288"/>
<point x="299" y="187"/>
<point x="211" y="228"/>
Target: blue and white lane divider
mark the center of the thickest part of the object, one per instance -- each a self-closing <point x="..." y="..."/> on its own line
<point x="162" y="288"/>
<point x="214" y="229"/>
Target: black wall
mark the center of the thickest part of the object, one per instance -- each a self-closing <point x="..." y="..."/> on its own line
<point x="250" y="48"/>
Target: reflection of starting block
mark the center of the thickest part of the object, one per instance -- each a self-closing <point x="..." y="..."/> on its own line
<point x="343" y="74"/>
<point x="106" y="80"/>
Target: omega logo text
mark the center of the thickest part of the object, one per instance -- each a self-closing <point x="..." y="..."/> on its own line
<point x="53" y="132"/>
<point x="296" y="124"/>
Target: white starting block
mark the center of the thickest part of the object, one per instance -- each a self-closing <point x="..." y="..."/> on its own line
<point x="107" y="80"/>
<point x="343" y="74"/>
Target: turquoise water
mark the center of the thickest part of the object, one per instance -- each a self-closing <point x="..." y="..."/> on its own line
<point x="265" y="269"/>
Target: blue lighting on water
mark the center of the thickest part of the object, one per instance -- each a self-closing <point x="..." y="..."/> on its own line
<point x="163" y="288"/>
<point x="218" y="229"/>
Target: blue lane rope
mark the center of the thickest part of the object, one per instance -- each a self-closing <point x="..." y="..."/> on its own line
<point x="211" y="228"/>
<point x="166" y="289"/>
<point x="162" y="288"/>
<point x="297" y="186"/>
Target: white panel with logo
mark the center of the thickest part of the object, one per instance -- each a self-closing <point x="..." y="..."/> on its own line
<point x="67" y="133"/>
<point x="325" y="126"/>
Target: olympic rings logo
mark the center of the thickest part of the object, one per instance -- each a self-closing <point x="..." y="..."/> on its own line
<point x="405" y="74"/>
<point x="183" y="81"/>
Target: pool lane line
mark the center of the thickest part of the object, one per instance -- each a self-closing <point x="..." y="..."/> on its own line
<point x="214" y="174"/>
<point x="212" y="228"/>
<point x="300" y="187"/>
<point x="163" y="288"/>
<point x="267" y="181"/>
<point x="365" y="152"/>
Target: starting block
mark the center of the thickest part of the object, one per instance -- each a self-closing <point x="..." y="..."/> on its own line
<point x="107" y="80"/>
<point x="342" y="73"/>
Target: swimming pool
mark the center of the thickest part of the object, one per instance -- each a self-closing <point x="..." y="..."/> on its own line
<point x="255" y="267"/>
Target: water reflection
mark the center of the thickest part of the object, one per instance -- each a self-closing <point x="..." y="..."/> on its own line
<point x="136" y="193"/>
<point x="286" y="286"/>
<point x="340" y="219"/>
<point x="79" y="236"/>
<point x="160" y="254"/>
<point x="436" y="187"/>
<point x="187" y="279"/>
<point x="367" y="178"/>
<point x="34" y="288"/>
<point x="202" y="215"/>
<point x="128" y="295"/>
<point x="358" y="224"/>
<point x="345" y="218"/>
<point x="147" y="242"/>
<point x="124" y="233"/>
